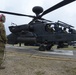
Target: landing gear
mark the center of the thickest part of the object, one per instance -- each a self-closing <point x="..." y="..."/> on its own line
<point x="62" y="45"/>
<point x="48" y="47"/>
<point x="42" y="48"/>
<point x="45" y="47"/>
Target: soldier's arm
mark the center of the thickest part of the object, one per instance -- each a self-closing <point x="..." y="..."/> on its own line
<point x="3" y="34"/>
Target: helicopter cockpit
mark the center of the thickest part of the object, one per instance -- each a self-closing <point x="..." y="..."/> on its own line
<point x="59" y="27"/>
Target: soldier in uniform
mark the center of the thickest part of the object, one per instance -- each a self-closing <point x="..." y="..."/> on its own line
<point x="3" y="39"/>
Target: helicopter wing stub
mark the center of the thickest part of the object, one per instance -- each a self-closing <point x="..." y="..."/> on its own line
<point x="65" y="2"/>
<point x="17" y="14"/>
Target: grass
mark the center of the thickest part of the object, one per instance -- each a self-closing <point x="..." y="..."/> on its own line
<point x="54" y="47"/>
<point x="69" y="48"/>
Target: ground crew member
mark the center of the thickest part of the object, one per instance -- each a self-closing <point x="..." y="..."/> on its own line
<point x="3" y="39"/>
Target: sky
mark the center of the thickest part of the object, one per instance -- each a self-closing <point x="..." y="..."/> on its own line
<point x="65" y="14"/>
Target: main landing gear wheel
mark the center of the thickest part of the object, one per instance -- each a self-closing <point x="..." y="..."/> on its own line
<point x="42" y="48"/>
<point x="47" y="47"/>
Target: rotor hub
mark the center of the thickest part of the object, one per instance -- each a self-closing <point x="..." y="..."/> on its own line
<point x="37" y="10"/>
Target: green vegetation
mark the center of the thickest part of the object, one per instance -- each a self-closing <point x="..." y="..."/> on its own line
<point x="54" y="47"/>
<point x="69" y="48"/>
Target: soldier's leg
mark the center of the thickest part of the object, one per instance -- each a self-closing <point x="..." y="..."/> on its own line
<point x="1" y="56"/>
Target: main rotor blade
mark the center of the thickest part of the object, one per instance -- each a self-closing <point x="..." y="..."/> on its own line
<point x="45" y="20"/>
<point x="57" y="6"/>
<point x="18" y="14"/>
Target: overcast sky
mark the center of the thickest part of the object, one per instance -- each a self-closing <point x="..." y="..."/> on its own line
<point x="66" y="13"/>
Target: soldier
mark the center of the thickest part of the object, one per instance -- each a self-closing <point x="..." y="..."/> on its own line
<point x="64" y="30"/>
<point x="3" y="39"/>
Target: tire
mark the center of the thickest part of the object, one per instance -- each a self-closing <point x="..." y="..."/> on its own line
<point x="42" y="48"/>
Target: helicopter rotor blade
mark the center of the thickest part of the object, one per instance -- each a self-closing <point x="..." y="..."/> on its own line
<point x="45" y="20"/>
<point x="65" y="2"/>
<point x="17" y="14"/>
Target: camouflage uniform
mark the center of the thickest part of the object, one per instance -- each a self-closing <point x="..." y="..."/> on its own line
<point x="2" y="41"/>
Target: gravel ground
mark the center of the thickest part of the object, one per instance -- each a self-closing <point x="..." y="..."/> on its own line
<point x="22" y="63"/>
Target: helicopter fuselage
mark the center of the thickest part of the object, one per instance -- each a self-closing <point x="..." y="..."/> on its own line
<point x="39" y="33"/>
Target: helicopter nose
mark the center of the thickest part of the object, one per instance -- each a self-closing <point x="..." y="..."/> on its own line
<point x="37" y="10"/>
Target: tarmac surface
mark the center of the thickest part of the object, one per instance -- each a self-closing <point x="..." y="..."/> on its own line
<point x="34" y="51"/>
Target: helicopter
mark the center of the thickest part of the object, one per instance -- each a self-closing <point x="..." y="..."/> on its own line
<point x="42" y="32"/>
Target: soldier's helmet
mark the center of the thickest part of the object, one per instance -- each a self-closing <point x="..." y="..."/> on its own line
<point x="2" y="18"/>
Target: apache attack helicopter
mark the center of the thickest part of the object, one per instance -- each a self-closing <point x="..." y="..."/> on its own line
<point x="42" y="32"/>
